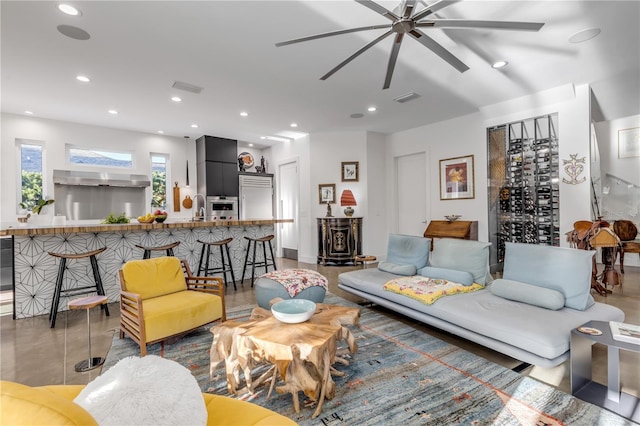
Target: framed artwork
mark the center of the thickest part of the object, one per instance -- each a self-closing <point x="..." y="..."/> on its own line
<point x="629" y="143"/>
<point x="350" y="171"/>
<point x="456" y="178"/>
<point x="327" y="193"/>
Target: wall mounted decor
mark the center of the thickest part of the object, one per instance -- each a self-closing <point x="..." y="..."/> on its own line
<point x="629" y="142"/>
<point x="350" y="172"/>
<point x="326" y="193"/>
<point x="573" y="167"/>
<point x="456" y="178"/>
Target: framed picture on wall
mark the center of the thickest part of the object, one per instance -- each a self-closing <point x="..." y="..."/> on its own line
<point x="456" y="178"/>
<point x="327" y="193"/>
<point x="350" y="171"/>
<point x="629" y="142"/>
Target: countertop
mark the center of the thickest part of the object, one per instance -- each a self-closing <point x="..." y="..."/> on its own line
<point x="19" y="229"/>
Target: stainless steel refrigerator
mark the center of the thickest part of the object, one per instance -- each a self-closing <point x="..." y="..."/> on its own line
<point x="256" y="197"/>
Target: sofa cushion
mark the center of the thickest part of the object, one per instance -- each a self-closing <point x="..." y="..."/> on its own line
<point x="397" y="269"/>
<point x="526" y="293"/>
<point x="154" y="277"/>
<point x="145" y="391"/>
<point x="462" y="277"/>
<point x="408" y="250"/>
<point x="462" y="255"/>
<point x="563" y="269"/>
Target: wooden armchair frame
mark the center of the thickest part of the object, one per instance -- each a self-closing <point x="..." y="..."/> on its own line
<point x="132" y="314"/>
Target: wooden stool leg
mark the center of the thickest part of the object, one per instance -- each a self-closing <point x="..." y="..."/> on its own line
<point x="56" y="294"/>
<point x="233" y="278"/>
<point x="246" y="260"/>
<point x="98" y="280"/>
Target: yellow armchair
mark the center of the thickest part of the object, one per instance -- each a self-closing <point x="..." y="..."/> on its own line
<point x="161" y="298"/>
<point x="53" y="405"/>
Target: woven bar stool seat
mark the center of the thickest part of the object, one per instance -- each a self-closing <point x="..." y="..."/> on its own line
<point x="204" y="266"/>
<point x="59" y="291"/>
<point x="265" y="263"/>
<point x="167" y="248"/>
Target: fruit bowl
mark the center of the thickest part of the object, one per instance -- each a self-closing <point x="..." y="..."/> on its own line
<point x="293" y="311"/>
<point x="161" y="218"/>
<point x="146" y="220"/>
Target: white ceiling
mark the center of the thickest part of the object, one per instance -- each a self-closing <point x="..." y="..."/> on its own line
<point x="138" y="49"/>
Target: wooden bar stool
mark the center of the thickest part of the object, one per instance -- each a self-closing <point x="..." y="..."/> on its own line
<point x="204" y="266"/>
<point x="87" y="303"/>
<point x="263" y="264"/>
<point x="168" y="248"/>
<point x="59" y="291"/>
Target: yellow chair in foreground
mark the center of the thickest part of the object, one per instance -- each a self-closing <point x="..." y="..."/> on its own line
<point x="161" y="298"/>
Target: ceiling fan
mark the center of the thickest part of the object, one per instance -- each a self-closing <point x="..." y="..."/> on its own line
<point x="408" y="22"/>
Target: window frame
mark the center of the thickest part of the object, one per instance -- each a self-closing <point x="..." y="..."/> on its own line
<point x="69" y="147"/>
<point x="19" y="143"/>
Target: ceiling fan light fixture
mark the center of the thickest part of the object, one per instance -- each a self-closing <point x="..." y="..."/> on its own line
<point x="499" y="64"/>
<point x="584" y="35"/>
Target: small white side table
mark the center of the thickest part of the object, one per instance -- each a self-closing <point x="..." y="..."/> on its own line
<point x="610" y="396"/>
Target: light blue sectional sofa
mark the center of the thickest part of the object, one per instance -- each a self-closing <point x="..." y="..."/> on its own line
<point x="528" y="314"/>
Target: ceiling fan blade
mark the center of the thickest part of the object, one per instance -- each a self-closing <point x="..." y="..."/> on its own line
<point x="355" y="55"/>
<point x="494" y="25"/>
<point x="439" y="50"/>
<point x="407" y="7"/>
<point x="379" y="9"/>
<point x="330" y="34"/>
<point x="433" y="8"/>
<point x="392" y="60"/>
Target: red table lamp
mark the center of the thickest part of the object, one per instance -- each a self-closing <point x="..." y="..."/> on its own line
<point x="347" y="199"/>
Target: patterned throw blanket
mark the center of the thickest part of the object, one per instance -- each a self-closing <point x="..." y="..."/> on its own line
<point x="296" y="280"/>
<point x="427" y="290"/>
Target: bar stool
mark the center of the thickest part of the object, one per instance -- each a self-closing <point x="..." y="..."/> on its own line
<point x="88" y="303"/>
<point x="265" y="263"/>
<point x="225" y="266"/>
<point x="59" y="291"/>
<point x="168" y="248"/>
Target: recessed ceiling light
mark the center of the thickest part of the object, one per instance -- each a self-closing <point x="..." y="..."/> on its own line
<point x="195" y="126"/>
<point x="29" y="112"/>
<point x="68" y="9"/>
<point x="499" y="64"/>
<point x="244" y="114"/>
<point x="176" y="99"/>
<point x="372" y="109"/>
<point x="263" y="137"/>
<point x="83" y="78"/>
<point x="113" y="111"/>
<point x="161" y="131"/>
<point x="294" y="124"/>
<point x="584" y="35"/>
<point x="250" y="144"/>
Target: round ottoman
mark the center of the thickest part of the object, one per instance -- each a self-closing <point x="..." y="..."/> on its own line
<point x="302" y="283"/>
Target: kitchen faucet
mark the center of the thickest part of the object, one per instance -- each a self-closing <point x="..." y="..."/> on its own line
<point x="199" y="214"/>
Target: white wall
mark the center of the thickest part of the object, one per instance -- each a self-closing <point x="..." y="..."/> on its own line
<point x="57" y="134"/>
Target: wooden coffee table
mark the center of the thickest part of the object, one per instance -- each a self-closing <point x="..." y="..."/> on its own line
<point x="302" y="355"/>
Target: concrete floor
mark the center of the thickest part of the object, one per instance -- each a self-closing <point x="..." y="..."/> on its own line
<point x="33" y="354"/>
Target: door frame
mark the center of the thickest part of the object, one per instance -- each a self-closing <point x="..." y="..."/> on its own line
<point x="277" y="227"/>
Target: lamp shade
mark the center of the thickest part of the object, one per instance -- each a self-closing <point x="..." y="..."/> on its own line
<point x="347" y="198"/>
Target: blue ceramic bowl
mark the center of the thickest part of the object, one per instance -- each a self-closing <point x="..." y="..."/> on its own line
<point x="293" y="311"/>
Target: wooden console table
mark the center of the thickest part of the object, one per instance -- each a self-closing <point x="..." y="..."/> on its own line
<point x="339" y="239"/>
<point x="463" y="229"/>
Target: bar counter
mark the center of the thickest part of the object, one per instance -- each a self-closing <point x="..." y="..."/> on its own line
<point x="35" y="271"/>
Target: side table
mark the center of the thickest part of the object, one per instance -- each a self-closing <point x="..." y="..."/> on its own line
<point x="362" y="258"/>
<point x="610" y="396"/>
<point x="87" y="303"/>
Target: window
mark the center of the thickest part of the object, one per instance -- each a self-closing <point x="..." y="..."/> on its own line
<point x="159" y="181"/>
<point x="31" y="171"/>
<point x="95" y="157"/>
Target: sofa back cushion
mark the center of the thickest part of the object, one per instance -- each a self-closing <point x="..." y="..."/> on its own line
<point x="393" y="268"/>
<point x="462" y="255"/>
<point x="153" y="277"/>
<point x="408" y="250"/>
<point x="563" y="269"/>
<point x="461" y="277"/>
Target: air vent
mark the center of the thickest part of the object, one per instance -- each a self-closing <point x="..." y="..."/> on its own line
<point x="187" y="87"/>
<point x="406" y="98"/>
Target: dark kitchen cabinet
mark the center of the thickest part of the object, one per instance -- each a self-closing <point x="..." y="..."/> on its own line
<point x="221" y="178"/>
<point x="213" y="148"/>
<point x="217" y="166"/>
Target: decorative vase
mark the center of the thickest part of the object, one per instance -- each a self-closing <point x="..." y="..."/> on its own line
<point x="348" y="212"/>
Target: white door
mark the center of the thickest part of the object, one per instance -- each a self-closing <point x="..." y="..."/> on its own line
<point x="288" y="209"/>
<point x="411" y="194"/>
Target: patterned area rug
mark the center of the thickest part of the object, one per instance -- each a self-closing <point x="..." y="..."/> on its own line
<point x="400" y="375"/>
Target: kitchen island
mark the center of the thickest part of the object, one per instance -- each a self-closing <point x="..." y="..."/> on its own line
<point x="35" y="271"/>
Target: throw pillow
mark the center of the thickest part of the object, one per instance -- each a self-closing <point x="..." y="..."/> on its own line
<point x="145" y="391"/>
<point x="462" y="255"/>
<point x="408" y="250"/>
<point x="393" y="268"/>
<point x="527" y="293"/>
<point x="463" y="277"/>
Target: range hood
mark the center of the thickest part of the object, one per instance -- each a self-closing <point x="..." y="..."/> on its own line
<point x="78" y="178"/>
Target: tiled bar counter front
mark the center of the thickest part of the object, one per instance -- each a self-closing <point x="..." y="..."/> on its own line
<point x="35" y="271"/>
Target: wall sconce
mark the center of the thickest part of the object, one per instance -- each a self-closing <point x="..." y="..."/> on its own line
<point x="347" y="199"/>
